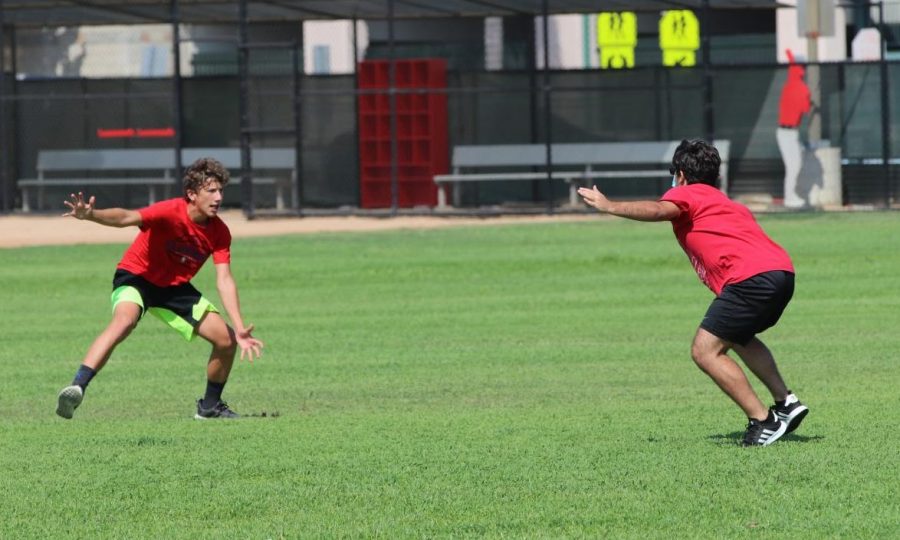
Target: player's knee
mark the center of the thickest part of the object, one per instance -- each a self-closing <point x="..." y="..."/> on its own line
<point x="701" y="355"/>
<point x="226" y="343"/>
<point x="122" y="328"/>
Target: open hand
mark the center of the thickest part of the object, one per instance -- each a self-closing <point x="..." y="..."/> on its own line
<point x="79" y="209"/>
<point x="594" y="198"/>
<point x="250" y="346"/>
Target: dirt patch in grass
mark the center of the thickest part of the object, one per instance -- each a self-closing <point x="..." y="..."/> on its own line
<point x="43" y="230"/>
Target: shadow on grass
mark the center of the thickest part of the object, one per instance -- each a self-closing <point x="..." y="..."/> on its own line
<point x="736" y="436"/>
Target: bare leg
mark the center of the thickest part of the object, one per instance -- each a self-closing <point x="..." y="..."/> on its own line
<point x="761" y="362"/>
<point x="125" y="318"/>
<point x="214" y="330"/>
<point x="708" y="352"/>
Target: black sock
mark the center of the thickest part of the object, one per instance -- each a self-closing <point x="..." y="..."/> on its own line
<point x="83" y="376"/>
<point x="781" y="403"/>
<point x="213" y="393"/>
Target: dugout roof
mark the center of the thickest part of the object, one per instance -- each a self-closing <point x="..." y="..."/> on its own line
<point x="50" y="13"/>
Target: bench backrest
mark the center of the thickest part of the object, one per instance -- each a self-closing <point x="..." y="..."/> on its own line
<point x="567" y="154"/>
<point x="260" y="158"/>
<point x="104" y="160"/>
<point x="158" y="159"/>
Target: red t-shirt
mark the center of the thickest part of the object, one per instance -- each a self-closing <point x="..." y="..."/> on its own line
<point x="795" y="99"/>
<point x="722" y="238"/>
<point x="171" y="248"/>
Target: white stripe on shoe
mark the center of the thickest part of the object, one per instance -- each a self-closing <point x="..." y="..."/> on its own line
<point x="770" y="436"/>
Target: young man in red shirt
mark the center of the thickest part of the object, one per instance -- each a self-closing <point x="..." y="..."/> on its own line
<point x="751" y="275"/>
<point x="175" y="239"/>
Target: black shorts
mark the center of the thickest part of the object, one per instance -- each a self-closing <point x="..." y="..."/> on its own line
<point x="181" y="306"/>
<point x="749" y="307"/>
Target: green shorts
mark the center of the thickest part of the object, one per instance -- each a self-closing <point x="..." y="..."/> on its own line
<point x="182" y="307"/>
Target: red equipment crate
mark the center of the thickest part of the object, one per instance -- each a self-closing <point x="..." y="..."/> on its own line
<point x="422" y="150"/>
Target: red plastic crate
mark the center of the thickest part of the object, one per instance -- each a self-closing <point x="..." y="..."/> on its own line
<point x="422" y="148"/>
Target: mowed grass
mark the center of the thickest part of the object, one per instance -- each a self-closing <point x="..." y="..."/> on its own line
<point x="512" y="381"/>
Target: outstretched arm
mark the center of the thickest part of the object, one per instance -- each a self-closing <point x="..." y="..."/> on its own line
<point x="111" y="217"/>
<point x="636" y="210"/>
<point x="250" y="346"/>
<point x="790" y="56"/>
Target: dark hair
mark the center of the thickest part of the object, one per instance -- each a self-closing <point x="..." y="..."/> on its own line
<point x="698" y="160"/>
<point x="201" y="171"/>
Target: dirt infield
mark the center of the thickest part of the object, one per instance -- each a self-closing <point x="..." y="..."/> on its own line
<point x="43" y="230"/>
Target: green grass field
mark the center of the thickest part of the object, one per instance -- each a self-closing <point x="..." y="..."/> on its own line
<point x="507" y="381"/>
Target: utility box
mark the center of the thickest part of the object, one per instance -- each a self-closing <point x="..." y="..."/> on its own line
<point x="815" y="18"/>
<point x="830" y="193"/>
<point x="820" y="183"/>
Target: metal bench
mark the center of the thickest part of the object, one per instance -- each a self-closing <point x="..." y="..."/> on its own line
<point x="574" y="163"/>
<point x="156" y="165"/>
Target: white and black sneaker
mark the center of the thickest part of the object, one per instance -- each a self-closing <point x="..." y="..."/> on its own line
<point x="791" y="412"/>
<point x="68" y="400"/>
<point x="764" y="433"/>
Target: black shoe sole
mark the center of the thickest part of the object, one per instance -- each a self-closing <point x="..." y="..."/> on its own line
<point x="795" y="422"/>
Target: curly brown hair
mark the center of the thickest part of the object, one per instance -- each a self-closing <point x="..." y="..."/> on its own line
<point x="201" y="171"/>
<point x="698" y="160"/>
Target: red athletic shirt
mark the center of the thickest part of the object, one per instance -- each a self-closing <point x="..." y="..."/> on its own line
<point x="171" y="248"/>
<point x="721" y="237"/>
<point x="795" y="99"/>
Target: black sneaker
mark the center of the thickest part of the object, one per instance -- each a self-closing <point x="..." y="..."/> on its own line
<point x="791" y="412"/>
<point x="764" y="433"/>
<point x="219" y="410"/>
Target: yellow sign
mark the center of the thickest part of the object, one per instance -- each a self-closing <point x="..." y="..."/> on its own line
<point x="679" y="37"/>
<point x="616" y="38"/>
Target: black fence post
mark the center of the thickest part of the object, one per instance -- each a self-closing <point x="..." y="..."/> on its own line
<point x="5" y="181"/>
<point x="885" y="112"/>
<point x="356" y="126"/>
<point x="244" y="111"/>
<point x="297" y="101"/>
<point x="392" y="109"/>
<point x="177" y="92"/>
<point x="708" y="108"/>
<point x="548" y="113"/>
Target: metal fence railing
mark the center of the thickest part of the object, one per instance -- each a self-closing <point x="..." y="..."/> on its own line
<point x="652" y="103"/>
